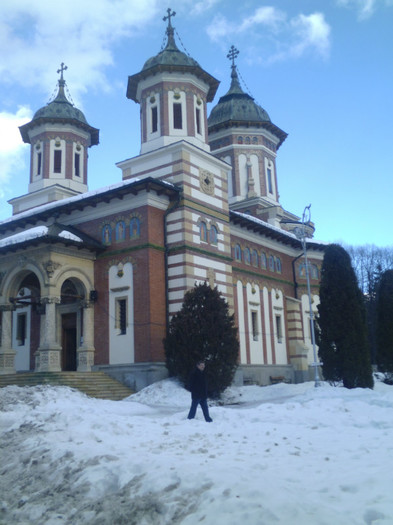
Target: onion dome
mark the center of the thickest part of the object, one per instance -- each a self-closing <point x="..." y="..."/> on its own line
<point x="171" y="59"/>
<point x="60" y="110"/>
<point x="237" y="108"/>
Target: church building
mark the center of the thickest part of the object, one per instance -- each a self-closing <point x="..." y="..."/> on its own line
<point x="89" y="280"/>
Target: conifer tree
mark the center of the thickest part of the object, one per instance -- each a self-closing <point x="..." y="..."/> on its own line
<point x="343" y="345"/>
<point x="385" y="326"/>
<point x="203" y="329"/>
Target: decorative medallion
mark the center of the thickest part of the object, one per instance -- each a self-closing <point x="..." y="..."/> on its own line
<point x="51" y="267"/>
<point x="206" y="182"/>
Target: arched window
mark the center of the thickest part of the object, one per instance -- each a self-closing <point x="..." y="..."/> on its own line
<point x="263" y="260"/>
<point x="106" y="234"/>
<point x="203" y="231"/>
<point x="278" y="264"/>
<point x="271" y="263"/>
<point x="238" y="253"/>
<point x="240" y="140"/>
<point x="255" y="258"/>
<point x="248" y="140"/>
<point x="120" y="231"/>
<point x="135" y="228"/>
<point x="69" y="292"/>
<point x="314" y="272"/>
<point x="247" y="256"/>
<point x="213" y="235"/>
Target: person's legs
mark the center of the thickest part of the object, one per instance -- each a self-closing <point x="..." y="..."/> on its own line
<point x="194" y="404"/>
<point x="205" y="410"/>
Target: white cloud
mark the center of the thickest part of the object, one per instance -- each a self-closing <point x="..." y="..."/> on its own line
<point x="12" y="148"/>
<point x="201" y="7"/>
<point x="36" y="36"/>
<point x="290" y="38"/>
<point x="364" y="8"/>
<point x="220" y="28"/>
<point x="268" y="16"/>
<point x="312" y="32"/>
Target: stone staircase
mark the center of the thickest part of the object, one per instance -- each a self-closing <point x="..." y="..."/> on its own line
<point x="93" y="384"/>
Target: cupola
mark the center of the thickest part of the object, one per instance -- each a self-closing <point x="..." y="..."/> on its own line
<point x="60" y="136"/>
<point x="242" y="134"/>
<point x="173" y="91"/>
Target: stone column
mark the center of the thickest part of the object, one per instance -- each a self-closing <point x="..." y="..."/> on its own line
<point x="49" y="349"/>
<point x="85" y="352"/>
<point x="7" y="353"/>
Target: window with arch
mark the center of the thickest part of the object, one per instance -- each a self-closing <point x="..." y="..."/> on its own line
<point x="271" y="263"/>
<point x="177" y="116"/>
<point x="240" y="140"/>
<point x="154" y="119"/>
<point x="247" y="256"/>
<point x="248" y="140"/>
<point x="120" y="231"/>
<point x="314" y="271"/>
<point x="135" y="228"/>
<point x="213" y="235"/>
<point x="302" y="270"/>
<point x="238" y="253"/>
<point x="254" y="258"/>
<point x="255" y="140"/>
<point x="107" y="234"/>
<point x="263" y="260"/>
<point x="203" y="231"/>
<point x="278" y="264"/>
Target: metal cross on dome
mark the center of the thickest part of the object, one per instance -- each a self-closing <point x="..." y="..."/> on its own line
<point x="62" y="68"/>
<point x="233" y="52"/>
<point x="170" y="15"/>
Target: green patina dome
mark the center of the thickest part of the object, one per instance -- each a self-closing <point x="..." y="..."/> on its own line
<point x="170" y="56"/>
<point x="171" y="59"/>
<point x="238" y="109"/>
<point x="60" y="110"/>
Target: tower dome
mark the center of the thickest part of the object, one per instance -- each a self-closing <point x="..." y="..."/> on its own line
<point x="173" y="91"/>
<point x="237" y="108"/>
<point x="60" y="111"/>
<point x="171" y="60"/>
<point x="60" y="136"/>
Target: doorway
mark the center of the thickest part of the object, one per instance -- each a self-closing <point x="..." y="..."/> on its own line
<point x="68" y="341"/>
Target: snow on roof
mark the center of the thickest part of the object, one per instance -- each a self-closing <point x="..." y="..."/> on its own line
<point x="34" y="233"/>
<point x="75" y="198"/>
<point x="275" y="228"/>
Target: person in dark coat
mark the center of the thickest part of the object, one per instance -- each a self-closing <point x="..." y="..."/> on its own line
<point x="198" y="388"/>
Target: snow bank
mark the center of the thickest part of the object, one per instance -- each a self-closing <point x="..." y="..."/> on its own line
<point x="289" y="454"/>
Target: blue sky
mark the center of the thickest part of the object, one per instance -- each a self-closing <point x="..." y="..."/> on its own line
<point x="322" y="69"/>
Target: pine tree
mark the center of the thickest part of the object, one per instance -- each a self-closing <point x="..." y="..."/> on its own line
<point x="385" y="326"/>
<point x="203" y="329"/>
<point x="343" y="345"/>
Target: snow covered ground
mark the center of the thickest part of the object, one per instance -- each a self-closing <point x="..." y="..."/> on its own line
<point x="286" y="454"/>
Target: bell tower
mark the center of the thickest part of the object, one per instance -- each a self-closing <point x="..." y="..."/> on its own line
<point x="173" y="91"/>
<point x="59" y="136"/>
<point x="242" y="134"/>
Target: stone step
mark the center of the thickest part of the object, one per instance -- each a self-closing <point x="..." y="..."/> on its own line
<point x="93" y="384"/>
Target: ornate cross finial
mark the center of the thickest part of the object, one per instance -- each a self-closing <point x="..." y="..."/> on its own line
<point x="62" y="68"/>
<point x="233" y="52"/>
<point x="170" y="15"/>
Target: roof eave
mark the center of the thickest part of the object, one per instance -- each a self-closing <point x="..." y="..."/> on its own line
<point x="94" y="132"/>
<point x="134" y="80"/>
<point x="275" y="130"/>
<point x="147" y="184"/>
